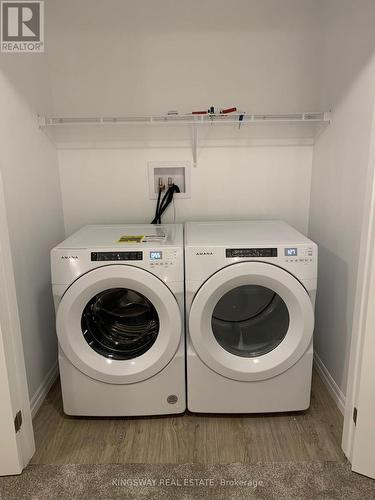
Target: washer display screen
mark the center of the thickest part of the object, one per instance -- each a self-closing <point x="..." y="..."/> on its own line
<point x="156" y="255"/>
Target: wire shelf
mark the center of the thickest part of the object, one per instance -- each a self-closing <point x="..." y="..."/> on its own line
<point x="185" y="130"/>
<point x="189" y="119"/>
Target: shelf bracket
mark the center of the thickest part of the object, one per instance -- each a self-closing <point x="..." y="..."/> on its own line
<point x="42" y="122"/>
<point x="327" y="116"/>
<point x="195" y="146"/>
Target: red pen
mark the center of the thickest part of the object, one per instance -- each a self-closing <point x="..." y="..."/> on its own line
<point x="228" y="110"/>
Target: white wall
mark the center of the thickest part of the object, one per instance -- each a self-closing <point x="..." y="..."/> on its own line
<point x="340" y="165"/>
<point x="108" y="186"/>
<point x="124" y="57"/>
<point x="149" y="57"/>
<point x="28" y="163"/>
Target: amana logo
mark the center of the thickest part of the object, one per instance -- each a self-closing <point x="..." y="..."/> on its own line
<point x="204" y="253"/>
<point x="69" y="256"/>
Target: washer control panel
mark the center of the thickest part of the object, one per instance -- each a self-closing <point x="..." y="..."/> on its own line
<point x="116" y="256"/>
<point x="162" y="258"/>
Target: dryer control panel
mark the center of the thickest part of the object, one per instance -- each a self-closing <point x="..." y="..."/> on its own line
<point x="299" y="254"/>
<point x="298" y="258"/>
<point x="251" y="252"/>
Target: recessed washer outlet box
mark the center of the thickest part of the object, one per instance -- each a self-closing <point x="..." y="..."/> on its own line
<point x="178" y="171"/>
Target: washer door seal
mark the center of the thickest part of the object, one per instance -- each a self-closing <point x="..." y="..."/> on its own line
<point x="98" y="366"/>
<point x="292" y="344"/>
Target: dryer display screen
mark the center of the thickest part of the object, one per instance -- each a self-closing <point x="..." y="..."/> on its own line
<point x="291" y="252"/>
<point x="115" y="256"/>
<point x="251" y="252"/>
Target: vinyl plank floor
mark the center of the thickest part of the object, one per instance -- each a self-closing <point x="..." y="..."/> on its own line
<point x="314" y="435"/>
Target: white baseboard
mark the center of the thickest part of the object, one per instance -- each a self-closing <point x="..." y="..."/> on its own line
<point x="337" y="395"/>
<point x="42" y="391"/>
<point x="334" y="390"/>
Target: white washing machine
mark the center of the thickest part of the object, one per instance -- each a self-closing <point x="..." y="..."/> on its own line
<point x="250" y="293"/>
<point x="119" y="298"/>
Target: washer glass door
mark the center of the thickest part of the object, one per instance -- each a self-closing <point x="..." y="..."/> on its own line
<point x="119" y="324"/>
<point x="251" y="321"/>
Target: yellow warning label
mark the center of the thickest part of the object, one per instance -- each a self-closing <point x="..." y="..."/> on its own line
<point x="131" y="239"/>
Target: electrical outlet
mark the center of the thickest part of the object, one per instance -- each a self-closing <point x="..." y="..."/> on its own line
<point x="177" y="172"/>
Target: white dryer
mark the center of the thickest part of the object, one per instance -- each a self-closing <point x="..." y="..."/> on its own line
<point x="119" y="298"/>
<point x="250" y="293"/>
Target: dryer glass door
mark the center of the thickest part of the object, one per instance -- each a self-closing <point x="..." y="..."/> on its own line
<point x="251" y="321"/>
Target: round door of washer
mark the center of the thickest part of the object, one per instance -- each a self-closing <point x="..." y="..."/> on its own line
<point x="251" y="321"/>
<point x="119" y="324"/>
